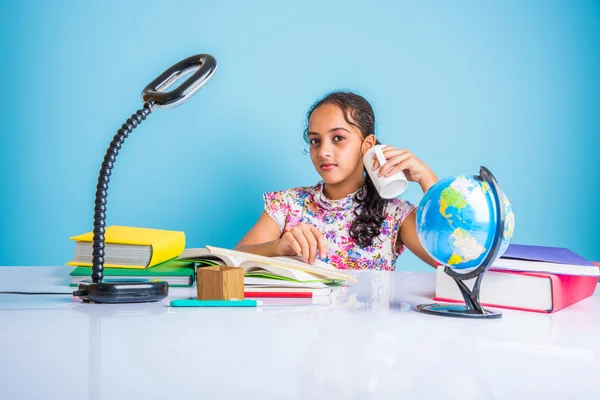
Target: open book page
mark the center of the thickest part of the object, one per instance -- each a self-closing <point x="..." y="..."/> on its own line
<point x="298" y="259"/>
<point x="290" y="268"/>
<point x="320" y="270"/>
<point x="259" y="269"/>
<point x="202" y="254"/>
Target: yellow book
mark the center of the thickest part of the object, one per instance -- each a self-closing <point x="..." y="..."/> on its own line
<point x="130" y="247"/>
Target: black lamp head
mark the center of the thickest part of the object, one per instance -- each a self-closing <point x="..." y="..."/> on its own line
<point x="203" y="67"/>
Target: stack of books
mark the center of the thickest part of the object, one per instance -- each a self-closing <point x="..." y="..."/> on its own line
<point x="530" y="278"/>
<point x="133" y="253"/>
<point x="272" y="276"/>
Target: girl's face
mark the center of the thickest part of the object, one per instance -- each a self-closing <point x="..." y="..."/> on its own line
<point x="334" y="145"/>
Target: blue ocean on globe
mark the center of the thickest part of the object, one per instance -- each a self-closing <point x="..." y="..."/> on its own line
<point x="456" y="221"/>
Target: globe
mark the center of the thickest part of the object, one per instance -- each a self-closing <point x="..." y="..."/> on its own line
<point x="456" y="221"/>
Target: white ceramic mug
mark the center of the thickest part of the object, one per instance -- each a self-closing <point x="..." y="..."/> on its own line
<point x="387" y="186"/>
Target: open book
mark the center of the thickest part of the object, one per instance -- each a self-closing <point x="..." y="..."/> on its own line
<point x="283" y="268"/>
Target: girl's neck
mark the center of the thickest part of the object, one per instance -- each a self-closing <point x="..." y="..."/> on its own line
<point x="336" y="191"/>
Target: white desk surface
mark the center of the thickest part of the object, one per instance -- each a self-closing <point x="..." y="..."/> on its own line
<point x="369" y="343"/>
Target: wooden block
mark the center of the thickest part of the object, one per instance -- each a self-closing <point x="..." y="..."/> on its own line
<point x="220" y="283"/>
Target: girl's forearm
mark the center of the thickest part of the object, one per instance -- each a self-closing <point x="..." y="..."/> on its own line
<point x="428" y="182"/>
<point x="267" y="249"/>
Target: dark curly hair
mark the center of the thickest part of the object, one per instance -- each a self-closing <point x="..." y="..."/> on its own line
<point x="369" y="213"/>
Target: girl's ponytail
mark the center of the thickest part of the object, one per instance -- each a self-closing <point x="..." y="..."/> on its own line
<point x="369" y="215"/>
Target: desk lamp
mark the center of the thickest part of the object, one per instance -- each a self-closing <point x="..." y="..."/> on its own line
<point x="154" y="95"/>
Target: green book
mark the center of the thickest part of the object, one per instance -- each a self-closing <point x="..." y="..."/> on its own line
<point x="176" y="273"/>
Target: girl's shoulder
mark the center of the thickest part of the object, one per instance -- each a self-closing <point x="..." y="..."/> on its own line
<point x="293" y="197"/>
<point x="397" y="205"/>
<point x="295" y="192"/>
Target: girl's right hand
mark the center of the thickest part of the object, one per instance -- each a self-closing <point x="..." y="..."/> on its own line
<point x="303" y="240"/>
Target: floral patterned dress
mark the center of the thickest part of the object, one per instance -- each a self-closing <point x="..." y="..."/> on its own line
<point x="333" y="218"/>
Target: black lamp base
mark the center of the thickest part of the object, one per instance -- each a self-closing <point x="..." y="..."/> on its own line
<point x="142" y="291"/>
<point x="456" y="311"/>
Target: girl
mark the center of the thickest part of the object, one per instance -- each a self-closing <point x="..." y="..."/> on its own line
<point x="342" y="220"/>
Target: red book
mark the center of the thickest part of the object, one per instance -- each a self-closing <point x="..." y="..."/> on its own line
<point x="279" y="294"/>
<point x="526" y="291"/>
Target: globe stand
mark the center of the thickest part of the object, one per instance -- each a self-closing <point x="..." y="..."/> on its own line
<point x="472" y="307"/>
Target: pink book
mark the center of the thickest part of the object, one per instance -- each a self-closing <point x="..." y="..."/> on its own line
<point x="526" y="291"/>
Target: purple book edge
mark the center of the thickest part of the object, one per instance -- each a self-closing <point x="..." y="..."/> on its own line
<point x="557" y="255"/>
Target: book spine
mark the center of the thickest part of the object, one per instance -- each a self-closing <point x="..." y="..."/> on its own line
<point x="568" y="290"/>
<point x="171" y="247"/>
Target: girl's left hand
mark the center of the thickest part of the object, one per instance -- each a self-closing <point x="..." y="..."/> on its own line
<point x="414" y="169"/>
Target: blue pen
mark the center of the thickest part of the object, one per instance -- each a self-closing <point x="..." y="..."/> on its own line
<point x="214" y="303"/>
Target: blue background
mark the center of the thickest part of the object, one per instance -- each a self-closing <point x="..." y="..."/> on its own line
<point x="511" y="85"/>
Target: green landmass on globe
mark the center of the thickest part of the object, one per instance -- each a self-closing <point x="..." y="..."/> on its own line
<point x="456" y="221"/>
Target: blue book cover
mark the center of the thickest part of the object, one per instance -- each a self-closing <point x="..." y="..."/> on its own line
<point x="552" y="260"/>
<point x="559" y="255"/>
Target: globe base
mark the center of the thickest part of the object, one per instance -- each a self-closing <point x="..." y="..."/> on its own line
<point x="456" y="311"/>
